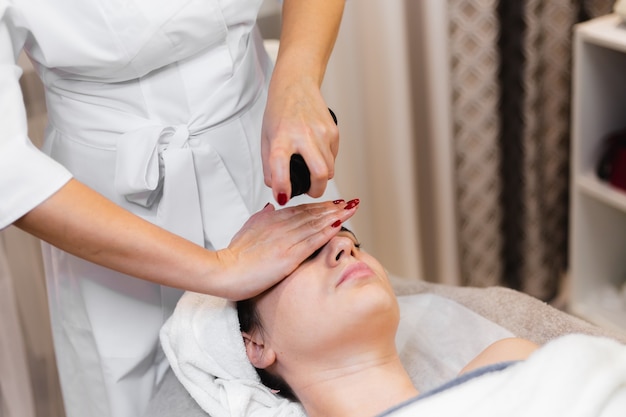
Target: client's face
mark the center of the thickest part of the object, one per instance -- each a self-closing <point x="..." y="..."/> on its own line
<point x="339" y="300"/>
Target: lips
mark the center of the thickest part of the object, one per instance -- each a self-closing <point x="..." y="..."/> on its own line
<point x="355" y="271"/>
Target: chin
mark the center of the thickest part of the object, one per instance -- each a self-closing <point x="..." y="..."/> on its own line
<point x="378" y="305"/>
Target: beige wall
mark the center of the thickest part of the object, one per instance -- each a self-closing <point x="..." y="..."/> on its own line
<point x="388" y="81"/>
<point x="368" y="86"/>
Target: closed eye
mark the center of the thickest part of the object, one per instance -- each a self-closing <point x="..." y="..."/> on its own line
<point x="314" y="254"/>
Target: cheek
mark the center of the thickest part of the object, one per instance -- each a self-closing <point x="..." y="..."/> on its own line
<point x="298" y="311"/>
<point x="373" y="263"/>
<point x="291" y="313"/>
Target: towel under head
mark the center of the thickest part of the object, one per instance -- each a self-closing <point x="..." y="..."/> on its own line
<point x="203" y="343"/>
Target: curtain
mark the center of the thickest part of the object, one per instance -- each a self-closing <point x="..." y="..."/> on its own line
<point x="29" y="385"/>
<point x="16" y="394"/>
<point x="510" y="76"/>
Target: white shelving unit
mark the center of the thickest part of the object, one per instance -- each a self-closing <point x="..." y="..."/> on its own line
<point x="598" y="212"/>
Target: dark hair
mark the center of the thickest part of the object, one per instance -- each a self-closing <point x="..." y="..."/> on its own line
<point x="249" y="321"/>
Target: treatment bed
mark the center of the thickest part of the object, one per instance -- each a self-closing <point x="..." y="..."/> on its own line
<point x="509" y="310"/>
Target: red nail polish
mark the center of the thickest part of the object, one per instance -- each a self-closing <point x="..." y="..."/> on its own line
<point x="336" y="223"/>
<point x="352" y="204"/>
<point x="282" y="199"/>
<point x="341" y="200"/>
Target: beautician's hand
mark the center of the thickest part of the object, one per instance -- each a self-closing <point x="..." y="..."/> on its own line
<point x="297" y="121"/>
<point x="268" y="247"/>
<point x="272" y="243"/>
<point x="296" y="116"/>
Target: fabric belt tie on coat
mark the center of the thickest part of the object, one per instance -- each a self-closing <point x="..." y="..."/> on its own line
<point x="155" y="165"/>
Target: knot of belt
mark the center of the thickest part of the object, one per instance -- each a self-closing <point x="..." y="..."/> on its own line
<point x="155" y="165"/>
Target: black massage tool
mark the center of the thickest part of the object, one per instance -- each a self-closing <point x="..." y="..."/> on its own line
<point x="299" y="173"/>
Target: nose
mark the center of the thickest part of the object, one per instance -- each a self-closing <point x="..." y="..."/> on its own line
<point x="338" y="248"/>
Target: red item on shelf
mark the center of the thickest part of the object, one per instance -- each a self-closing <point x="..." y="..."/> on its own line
<point x="618" y="173"/>
<point x="612" y="164"/>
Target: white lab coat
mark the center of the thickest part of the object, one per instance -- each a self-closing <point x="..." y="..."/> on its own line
<point x="156" y="104"/>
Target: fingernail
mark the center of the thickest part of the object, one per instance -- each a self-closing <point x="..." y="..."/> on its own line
<point x="352" y="204"/>
<point x="336" y="223"/>
<point x="339" y="201"/>
<point x="282" y="199"/>
<point x="266" y="205"/>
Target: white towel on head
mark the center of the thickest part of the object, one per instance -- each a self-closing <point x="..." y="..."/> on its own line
<point x="202" y="341"/>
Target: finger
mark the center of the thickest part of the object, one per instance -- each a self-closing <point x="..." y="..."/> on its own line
<point x="327" y="174"/>
<point x="269" y="220"/>
<point x="293" y="224"/>
<point x="306" y="212"/>
<point x="331" y="157"/>
<point x="265" y="154"/>
<point x="322" y="171"/>
<point x="315" y="219"/>
<point x="318" y="171"/>
<point x="326" y="151"/>
<point x="318" y="231"/>
<point x="331" y="152"/>
<point x="269" y="207"/>
<point x="279" y="170"/>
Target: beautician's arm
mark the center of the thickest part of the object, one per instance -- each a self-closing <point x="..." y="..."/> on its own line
<point x="269" y="246"/>
<point x="296" y="117"/>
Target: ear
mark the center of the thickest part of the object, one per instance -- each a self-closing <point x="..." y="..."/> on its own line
<point x="259" y="355"/>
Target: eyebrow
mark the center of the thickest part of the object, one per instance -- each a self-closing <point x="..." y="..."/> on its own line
<point x="345" y="229"/>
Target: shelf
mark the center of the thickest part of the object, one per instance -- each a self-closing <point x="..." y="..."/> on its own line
<point x="608" y="31"/>
<point x="597" y="235"/>
<point x="592" y="186"/>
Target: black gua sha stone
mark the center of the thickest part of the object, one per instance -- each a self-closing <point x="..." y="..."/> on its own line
<point x="299" y="173"/>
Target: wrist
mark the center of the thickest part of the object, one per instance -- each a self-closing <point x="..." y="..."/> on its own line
<point x="221" y="273"/>
<point x="298" y="68"/>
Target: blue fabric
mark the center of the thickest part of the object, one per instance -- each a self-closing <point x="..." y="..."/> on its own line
<point x="452" y="383"/>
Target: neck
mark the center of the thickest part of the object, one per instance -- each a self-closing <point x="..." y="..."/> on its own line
<point x="364" y="390"/>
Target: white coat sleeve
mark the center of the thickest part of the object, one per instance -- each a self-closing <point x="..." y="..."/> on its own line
<point x="27" y="175"/>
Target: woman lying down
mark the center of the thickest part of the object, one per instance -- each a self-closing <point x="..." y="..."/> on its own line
<point x="323" y="341"/>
